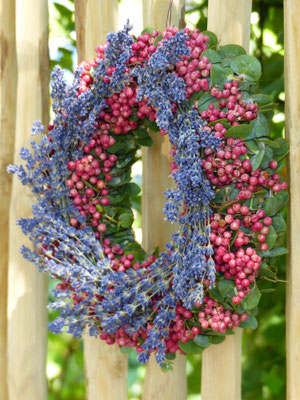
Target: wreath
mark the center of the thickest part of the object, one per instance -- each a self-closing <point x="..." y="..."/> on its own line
<point x="227" y="193"/>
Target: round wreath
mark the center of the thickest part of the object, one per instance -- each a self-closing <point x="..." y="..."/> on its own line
<point x="227" y="195"/>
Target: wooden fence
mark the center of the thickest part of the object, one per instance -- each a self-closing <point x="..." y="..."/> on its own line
<point x="24" y="77"/>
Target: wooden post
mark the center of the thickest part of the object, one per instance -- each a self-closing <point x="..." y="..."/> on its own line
<point x="105" y="366"/>
<point x="94" y="20"/>
<point x="292" y="85"/>
<point x="27" y="298"/>
<point x="8" y="91"/>
<point x="156" y="231"/>
<point x="221" y="364"/>
<point x="221" y="369"/>
<point x="230" y="21"/>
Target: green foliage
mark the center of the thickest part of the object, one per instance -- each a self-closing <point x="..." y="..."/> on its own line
<point x="62" y="26"/>
<point x="247" y="67"/>
<point x="252" y="299"/>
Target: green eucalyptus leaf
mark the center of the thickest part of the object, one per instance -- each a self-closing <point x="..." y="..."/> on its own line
<point x="231" y="50"/>
<point x="154" y="251"/>
<point x="275" y="203"/>
<point x="246" y="66"/>
<point x="205" y="100"/>
<point x="267" y="157"/>
<point x="271" y="237"/>
<point x="215" y="294"/>
<point x="225" y="286"/>
<point x="144" y="141"/>
<point x="279" y="223"/>
<point x="136" y="203"/>
<point x="252" y="299"/>
<point x="213" y="56"/>
<point x="151" y="125"/>
<point x="202" y="340"/>
<point x="257" y="159"/>
<point x="158" y="39"/>
<point x="265" y="271"/>
<point x="141" y="132"/>
<point x="190" y="347"/>
<point x="270" y="143"/>
<point x="121" y="179"/>
<point x="251" y="323"/>
<point x="261" y="98"/>
<point x="166" y="367"/>
<point x="117" y="199"/>
<point x="132" y="189"/>
<point x="220" y="75"/>
<point x="125" y="161"/>
<point x="239" y="132"/>
<point x="213" y="40"/>
<point x="283" y="149"/>
<point x="279" y="251"/>
<point x="252" y="145"/>
<point x="220" y="195"/>
<point x="125" y="234"/>
<point x="216" y="339"/>
<point x="148" y="30"/>
<point x="133" y="117"/>
<point x="195" y="96"/>
<point x="134" y="246"/>
<point x="171" y="356"/>
<point x="138" y="255"/>
<point x="125" y="220"/>
<point x="222" y="121"/>
<point x="261" y="126"/>
<point x="117" y="147"/>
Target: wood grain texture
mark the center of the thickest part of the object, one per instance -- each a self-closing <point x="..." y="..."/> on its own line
<point x="155" y="13"/>
<point x="221" y="369"/>
<point x="230" y="21"/>
<point x="27" y="298"/>
<point x="8" y="91"/>
<point x="94" y="19"/>
<point x="156" y="231"/>
<point x="222" y="363"/>
<point x="105" y="366"/>
<point x="105" y="370"/>
<point x="292" y="109"/>
<point x="166" y="385"/>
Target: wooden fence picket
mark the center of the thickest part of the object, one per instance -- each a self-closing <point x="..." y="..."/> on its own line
<point x="105" y="366"/>
<point x="230" y="21"/>
<point x="8" y="89"/>
<point x="94" y="20"/>
<point x="292" y="109"/>
<point x="221" y="364"/>
<point x="156" y="231"/>
<point x="27" y="294"/>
